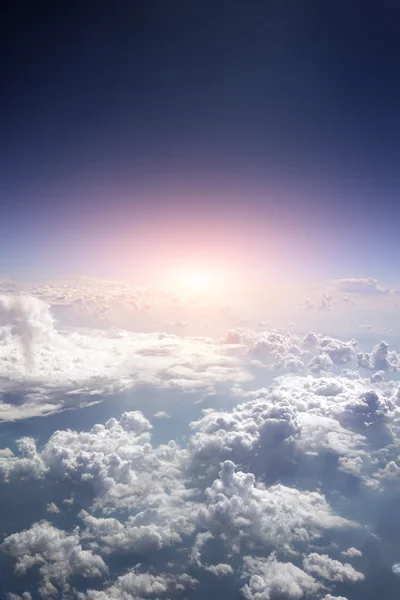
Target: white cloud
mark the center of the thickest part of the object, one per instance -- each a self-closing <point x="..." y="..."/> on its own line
<point x="44" y="370"/>
<point x="262" y="429"/>
<point x="279" y="351"/>
<point x="355" y="285"/>
<point x="276" y="428"/>
<point x="340" y="352"/>
<point x="351" y="553"/>
<point x="27" y="319"/>
<point x="271" y="579"/>
<point x="27" y="464"/>
<point x="125" y="473"/>
<point x="161" y="414"/>
<point x="380" y="359"/>
<point x="167" y="498"/>
<point x="137" y="586"/>
<point x="332" y="570"/>
<point x="396" y="569"/>
<point x="140" y="533"/>
<point x="241" y="509"/>
<point x="57" y="554"/>
<point x="23" y="596"/>
<point x="52" y="508"/>
<point x="220" y="570"/>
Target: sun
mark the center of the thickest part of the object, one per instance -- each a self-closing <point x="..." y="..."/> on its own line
<point x="198" y="281"/>
<point x="193" y="280"/>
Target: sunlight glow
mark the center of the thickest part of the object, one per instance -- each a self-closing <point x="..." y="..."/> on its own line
<point x="198" y="281"/>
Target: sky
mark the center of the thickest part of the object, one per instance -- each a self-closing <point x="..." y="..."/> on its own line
<point x="146" y="129"/>
<point x="199" y="300"/>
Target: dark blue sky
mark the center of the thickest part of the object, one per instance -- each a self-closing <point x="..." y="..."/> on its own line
<point x="132" y="112"/>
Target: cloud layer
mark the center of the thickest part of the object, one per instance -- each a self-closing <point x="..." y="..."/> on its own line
<point x="289" y="488"/>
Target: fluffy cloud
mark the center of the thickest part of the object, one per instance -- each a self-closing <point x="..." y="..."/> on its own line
<point x="330" y="569"/>
<point x="220" y="570"/>
<point x="280" y="351"/>
<point x="328" y="351"/>
<point x="58" y="556"/>
<point x="271" y="579"/>
<point x="380" y="359"/>
<point x="277" y="428"/>
<point x="121" y="466"/>
<point x="152" y="484"/>
<point x="23" y="596"/>
<point x="28" y="464"/>
<point x="140" y="533"/>
<point x="352" y="553"/>
<point x="260" y="431"/>
<point x="52" y="508"/>
<point x="338" y="351"/>
<point x="275" y="473"/>
<point x="137" y="586"/>
<point x="124" y="472"/>
<point x="396" y="569"/>
<point x="241" y="509"/>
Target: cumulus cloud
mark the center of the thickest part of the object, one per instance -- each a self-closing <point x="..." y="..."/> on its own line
<point x="137" y="586"/>
<point x="332" y="570"/>
<point x="161" y="414"/>
<point x="339" y="352"/>
<point x="112" y="458"/>
<point x="147" y="503"/>
<point x="57" y="554"/>
<point x="351" y="553"/>
<point x="396" y="569"/>
<point x="241" y="509"/>
<point x="220" y="570"/>
<point x="124" y="472"/>
<point x="278" y="428"/>
<point x="23" y="596"/>
<point x="140" y="533"/>
<point x="261" y="431"/>
<point x="271" y="579"/>
<point x="279" y="351"/>
<point x="27" y="464"/>
<point x="273" y="472"/>
<point x="380" y="359"/>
